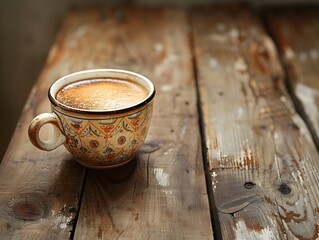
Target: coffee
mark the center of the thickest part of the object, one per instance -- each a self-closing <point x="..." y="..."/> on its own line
<point x="101" y="94"/>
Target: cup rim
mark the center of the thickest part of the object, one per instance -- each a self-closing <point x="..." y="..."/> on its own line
<point x="101" y="73"/>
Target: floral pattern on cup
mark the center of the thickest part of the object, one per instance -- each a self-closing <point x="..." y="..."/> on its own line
<point x="106" y="142"/>
<point x="98" y="139"/>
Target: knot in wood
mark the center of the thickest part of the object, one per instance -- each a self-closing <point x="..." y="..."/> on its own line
<point x="284" y="189"/>
<point x="249" y="185"/>
<point x="28" y="207"/>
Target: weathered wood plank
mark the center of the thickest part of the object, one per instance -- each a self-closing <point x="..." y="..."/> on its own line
<point x="39" y="191"/>
<point x="296" y="32"/>
<point x="264" y="165"/>
<point x="165" y="196"/>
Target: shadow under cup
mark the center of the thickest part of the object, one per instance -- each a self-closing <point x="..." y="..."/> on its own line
<point x="99" y="139"/>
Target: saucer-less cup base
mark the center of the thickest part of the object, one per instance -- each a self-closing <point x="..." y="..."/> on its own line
<point x="97" y="139"/>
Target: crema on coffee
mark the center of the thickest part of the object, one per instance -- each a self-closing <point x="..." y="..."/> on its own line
<point x="101" y="94"/>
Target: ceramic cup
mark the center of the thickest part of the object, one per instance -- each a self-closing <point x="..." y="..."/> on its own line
<point x="98" y="139"/>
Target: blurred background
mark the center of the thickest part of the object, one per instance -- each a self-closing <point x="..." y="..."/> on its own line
<point x="27" y="30"/>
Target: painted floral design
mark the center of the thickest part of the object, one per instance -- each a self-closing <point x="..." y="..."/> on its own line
<point x="121" y="140"/>
<point x="106" y="141"/>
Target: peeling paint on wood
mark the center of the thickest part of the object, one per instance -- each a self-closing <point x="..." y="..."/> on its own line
<point x="243" y="232"/>
<point x="252" y="131"/>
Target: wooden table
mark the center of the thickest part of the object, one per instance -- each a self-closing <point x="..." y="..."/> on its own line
<point x="227" y="156"/>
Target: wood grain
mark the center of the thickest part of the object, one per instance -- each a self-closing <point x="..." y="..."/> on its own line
<point x="163" y="195"/>
<point x="263" y="162"/>
<point x="264" y="165"/>
<point x="39" y="191"/>
<point x="296" y="31"/>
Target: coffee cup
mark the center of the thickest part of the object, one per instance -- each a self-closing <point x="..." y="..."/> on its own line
<point x="101" y="116"/>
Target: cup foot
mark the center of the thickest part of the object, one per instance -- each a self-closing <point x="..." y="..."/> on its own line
<point x="105" y="167"/>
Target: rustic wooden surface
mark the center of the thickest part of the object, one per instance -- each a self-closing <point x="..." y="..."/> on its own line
<point x="39" y="191"/>
<point x="264" y="165"/>
<point x="165" y="197"/>
<point x="296" y="33"/>
<point x="162" y="194"/>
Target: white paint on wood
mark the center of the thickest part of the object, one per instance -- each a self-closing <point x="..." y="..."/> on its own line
<point x="309" y="97"/>
<point x="242" y="232"/>
<point x="161" y="177"/>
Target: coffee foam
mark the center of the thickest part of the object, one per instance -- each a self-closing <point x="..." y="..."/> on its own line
<point x="101" y="94"/>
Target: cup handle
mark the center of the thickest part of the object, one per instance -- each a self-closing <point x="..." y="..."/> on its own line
<point x="34" y="129"/>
